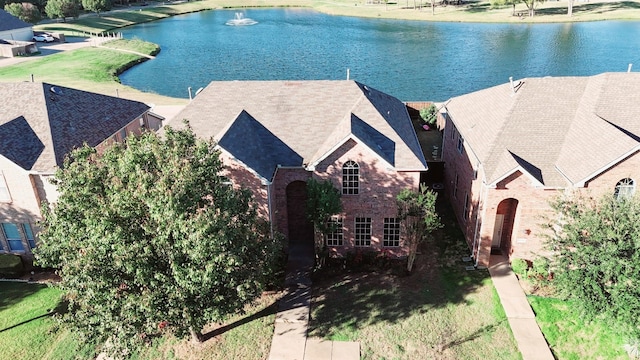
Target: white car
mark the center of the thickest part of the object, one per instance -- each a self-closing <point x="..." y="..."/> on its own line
<point x="43" y="38"/>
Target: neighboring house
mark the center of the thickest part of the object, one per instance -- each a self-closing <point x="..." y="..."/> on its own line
<point x="512" y="148"/>
<point x="12" y="28"/>
<point x="275" y="135"/>
<point x="39" y="125"/>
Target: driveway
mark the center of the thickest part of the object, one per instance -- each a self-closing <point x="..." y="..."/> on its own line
<point x="71" y="43"/>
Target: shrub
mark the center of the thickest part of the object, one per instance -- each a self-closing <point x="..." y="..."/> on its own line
<point x="519" y="266"/>
<point x="11" y="265"/>
<point x="429" y="114"/>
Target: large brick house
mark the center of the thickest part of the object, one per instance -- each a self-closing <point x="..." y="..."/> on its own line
<point x="40" y="124"/>
<point x="512" y="148"/>
<point x="275" y="135"/>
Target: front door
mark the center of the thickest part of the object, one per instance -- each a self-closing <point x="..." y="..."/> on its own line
<point x="497" y="232"/>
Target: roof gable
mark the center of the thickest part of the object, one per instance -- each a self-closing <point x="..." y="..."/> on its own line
<point x="554" y="128"/>
<point x="19" y="143"/>
<point x="61" y="119"/>
<point x="310" y="117"/>
<point x="257" y="147"/>
<point x="10" y="22"/>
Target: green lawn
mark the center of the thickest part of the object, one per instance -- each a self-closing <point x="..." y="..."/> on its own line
<point x="570" y="336"/>
<point x="90" y="69"/>
<point x="27" y="330"/>
<point x="441" y="311"/>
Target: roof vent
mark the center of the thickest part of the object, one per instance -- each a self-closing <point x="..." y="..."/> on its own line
<point x="514" y="85"/>
<point x="56" y="90"/>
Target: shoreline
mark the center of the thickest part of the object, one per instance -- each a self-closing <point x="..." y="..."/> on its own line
<point x="469" y="11"/>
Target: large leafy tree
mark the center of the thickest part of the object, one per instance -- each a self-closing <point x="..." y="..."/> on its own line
<point x="596" y="261"/>
<point x="97" y="5"/>
<point x="418" y="218"/>
<point x="148" y="238"/>
<point x="24" y="11"/>
<point x="62" y="9"/>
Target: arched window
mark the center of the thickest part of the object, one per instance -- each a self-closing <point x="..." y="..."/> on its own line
<point x="350" y="178"/>
<point x="625" y="189"/>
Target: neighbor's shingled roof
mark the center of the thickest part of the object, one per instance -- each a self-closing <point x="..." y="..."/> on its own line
<point x="10" y="22"/>
<point x="561" y="130"/>
<point x="297" y="123"/>
<point x="39" y="126"/>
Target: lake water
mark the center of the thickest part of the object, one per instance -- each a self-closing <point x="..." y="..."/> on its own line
<point x="410" y="60"/>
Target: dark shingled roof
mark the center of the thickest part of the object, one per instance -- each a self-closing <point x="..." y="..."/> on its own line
<point x="257" y="147"/>
<point x="55" y="120"/>
<point x="10" y="22"/>
<point x="310" y="118"/>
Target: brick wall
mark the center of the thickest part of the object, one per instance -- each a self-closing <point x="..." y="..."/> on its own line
<point x="379" y="186"/>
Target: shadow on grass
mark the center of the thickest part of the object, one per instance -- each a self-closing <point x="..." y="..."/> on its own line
<point x="269" y="310"/>
<point x="14" y="292"/>
<point x="439" y="279"/>
<point x="600" y="8"/>
<point x="478" y="8"/>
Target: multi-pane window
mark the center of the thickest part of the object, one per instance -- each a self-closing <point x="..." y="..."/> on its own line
<point x="335" y="237"/>
<point x="363" y="231"/>
<point x="625" y="189"/>
<point x="350" y="178"/>
<point x="12" y="234"/>
<point x="4" y="189"/>
<point x="29" y="233"/>
<point x="391" y="236"/>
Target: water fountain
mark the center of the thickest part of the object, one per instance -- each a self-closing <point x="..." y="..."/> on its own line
<point x="240" y="20"/>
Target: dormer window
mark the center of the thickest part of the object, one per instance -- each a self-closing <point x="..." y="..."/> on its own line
<point x="350" y="178"/>
<point x="625" y="189"/>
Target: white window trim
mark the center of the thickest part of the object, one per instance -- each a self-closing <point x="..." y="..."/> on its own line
<point x="351" y="165"/>
<point x="386" y="232"/>
<point x="366" y="235"/>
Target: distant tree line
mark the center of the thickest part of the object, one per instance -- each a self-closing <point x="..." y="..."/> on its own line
<point x="33" y="11"/>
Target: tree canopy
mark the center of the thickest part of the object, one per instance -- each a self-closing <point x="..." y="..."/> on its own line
<point x="148" y="238"/>
<point x="97" y="5"/>
<point x="24" y="11"/>
<point x="62" y="9"/>
<point x="418" y="218"/>
<point x="596" y="257"/>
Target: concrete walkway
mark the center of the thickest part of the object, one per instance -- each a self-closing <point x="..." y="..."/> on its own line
<point x="292" y="321"/>
<point x="521" y="318"/>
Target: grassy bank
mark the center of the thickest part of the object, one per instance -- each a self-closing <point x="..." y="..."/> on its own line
<point x="467" y="11"/>
<point x="93" y="69"/>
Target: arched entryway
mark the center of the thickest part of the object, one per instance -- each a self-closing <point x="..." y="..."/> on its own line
<point x="503" y="227"/>
<point x="300" y="228"/>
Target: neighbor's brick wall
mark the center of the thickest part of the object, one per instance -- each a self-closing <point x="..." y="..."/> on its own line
<point x="605" y="183"/>
<point x="379" y="186"/>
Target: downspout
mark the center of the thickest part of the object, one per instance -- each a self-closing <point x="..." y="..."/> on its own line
<point x="476" y="239"/>
<point x="270" y="207"/>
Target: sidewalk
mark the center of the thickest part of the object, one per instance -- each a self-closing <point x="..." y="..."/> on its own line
<point x="292" y="321"/>
<point x="529" y="338"/>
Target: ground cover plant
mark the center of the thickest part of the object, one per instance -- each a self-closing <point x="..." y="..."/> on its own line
<point x="439" y="311"/>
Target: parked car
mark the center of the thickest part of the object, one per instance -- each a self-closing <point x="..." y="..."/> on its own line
<point x="43" y="38"/>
